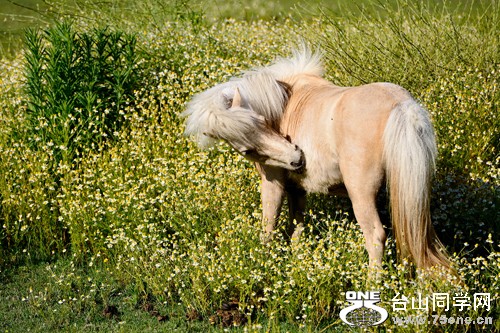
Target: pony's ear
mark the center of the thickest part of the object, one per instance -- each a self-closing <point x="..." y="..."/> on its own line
<point x="236" y="99"/>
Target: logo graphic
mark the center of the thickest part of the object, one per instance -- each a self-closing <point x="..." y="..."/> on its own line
<point x="363" y="312"/>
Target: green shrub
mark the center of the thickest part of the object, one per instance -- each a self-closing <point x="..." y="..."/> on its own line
<point x="77" y="84"/>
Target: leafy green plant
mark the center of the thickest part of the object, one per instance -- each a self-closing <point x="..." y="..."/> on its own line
<point x="76" y="85"/>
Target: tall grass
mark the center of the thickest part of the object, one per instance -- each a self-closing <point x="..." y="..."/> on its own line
<point x="448" y="59"/>
<point x="151" y="215"/>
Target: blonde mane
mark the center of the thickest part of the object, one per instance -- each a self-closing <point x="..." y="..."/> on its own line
<point x="303" y="61"/>
<point x="264" y="99"/>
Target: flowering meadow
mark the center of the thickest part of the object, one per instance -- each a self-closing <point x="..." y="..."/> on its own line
<point x="113" y="221"/>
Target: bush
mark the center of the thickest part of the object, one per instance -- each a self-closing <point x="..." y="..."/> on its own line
<point x="77" y="85"/>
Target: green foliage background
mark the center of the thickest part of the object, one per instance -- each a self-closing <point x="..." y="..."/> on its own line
<point x="133" y="213"/>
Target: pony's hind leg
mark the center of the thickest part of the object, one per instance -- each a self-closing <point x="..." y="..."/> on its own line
<point x="367" y="216"/>
<point x="362" y="188"/>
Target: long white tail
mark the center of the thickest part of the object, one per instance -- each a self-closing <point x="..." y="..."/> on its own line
<point x="410" y="156"/>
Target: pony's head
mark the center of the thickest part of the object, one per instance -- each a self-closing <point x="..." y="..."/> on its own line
<point x="243" y="113"/>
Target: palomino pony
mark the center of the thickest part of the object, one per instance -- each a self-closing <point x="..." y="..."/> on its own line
<point x="307" y="135"/>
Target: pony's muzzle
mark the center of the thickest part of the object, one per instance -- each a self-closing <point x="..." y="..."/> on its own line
<point x="299" y="165"/>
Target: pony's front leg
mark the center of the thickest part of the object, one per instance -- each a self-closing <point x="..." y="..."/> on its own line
<point x="272" y="192"/>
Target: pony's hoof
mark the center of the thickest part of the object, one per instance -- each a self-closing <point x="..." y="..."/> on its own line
<point x="266" y="237"/>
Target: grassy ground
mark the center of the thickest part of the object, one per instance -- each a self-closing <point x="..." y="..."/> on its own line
<point x="132" y="228"/>
<point x="121" y="311"/>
